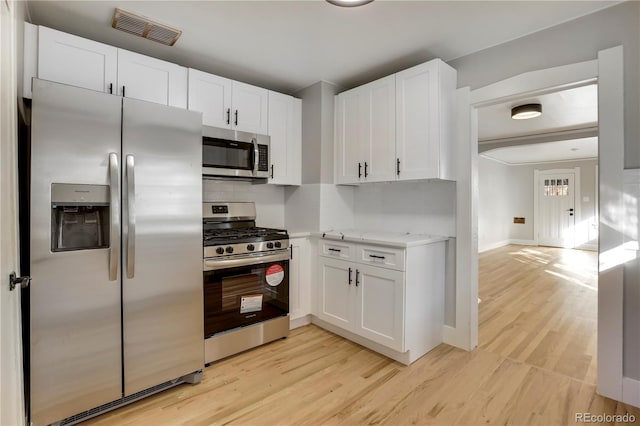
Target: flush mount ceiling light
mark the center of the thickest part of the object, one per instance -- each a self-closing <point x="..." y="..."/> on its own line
<point x="526" y="111"/>
<point x="349" y="3"/>
<point x="144" y="27"/>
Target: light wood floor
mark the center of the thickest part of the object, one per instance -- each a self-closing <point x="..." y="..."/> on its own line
<point x="535" y="365"/>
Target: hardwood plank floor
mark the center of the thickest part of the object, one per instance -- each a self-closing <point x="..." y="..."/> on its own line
<point x="535" y="365"/>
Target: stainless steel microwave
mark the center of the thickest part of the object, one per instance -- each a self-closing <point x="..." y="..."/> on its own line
<point x="230" y="153"/>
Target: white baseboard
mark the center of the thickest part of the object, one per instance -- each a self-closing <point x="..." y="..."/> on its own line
<point x="631" y="391"/>
<point x="523" y="242"/>
<point x="299" y="321"/>
<point x="453" y="337"/>
<point x="493" y="246"/>
<point x="591" y="247"/>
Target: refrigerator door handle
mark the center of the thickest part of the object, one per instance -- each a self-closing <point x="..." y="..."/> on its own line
<point x="114" y="191"/>
<point x="131" y="217"/>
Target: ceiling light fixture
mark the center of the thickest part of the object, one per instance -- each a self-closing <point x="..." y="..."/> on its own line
<point x="349" y="3"/>
<point x="526" y="111"/>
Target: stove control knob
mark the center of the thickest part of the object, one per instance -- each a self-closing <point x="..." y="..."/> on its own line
<point x="269" y="245"/>
<point x="278" y="244"/>
<point x="229" y="249"/>
<point x="220" y="250"/>
<point x="251" y="247"/>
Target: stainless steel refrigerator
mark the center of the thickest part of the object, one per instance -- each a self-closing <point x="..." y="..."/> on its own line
<point x="116" y="250"/>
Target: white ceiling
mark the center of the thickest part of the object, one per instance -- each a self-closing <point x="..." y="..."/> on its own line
<point x="576" y="149"/>
<point x="561" y="111"/>
<point x="564" y="110"/>
<point x="289" y="45"/>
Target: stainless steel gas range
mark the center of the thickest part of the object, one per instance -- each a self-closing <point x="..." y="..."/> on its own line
<point x="246" y="280"/>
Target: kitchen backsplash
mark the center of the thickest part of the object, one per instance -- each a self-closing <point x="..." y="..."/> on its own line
<point x="269" y="199"/>
<point x="417" y="207"/>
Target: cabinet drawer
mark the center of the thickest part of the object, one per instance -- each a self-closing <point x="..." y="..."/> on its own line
<point x="337" y="249"/>
<point x="385" y="257"/>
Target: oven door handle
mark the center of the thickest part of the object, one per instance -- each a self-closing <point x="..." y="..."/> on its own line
<point x="216" y="264"/>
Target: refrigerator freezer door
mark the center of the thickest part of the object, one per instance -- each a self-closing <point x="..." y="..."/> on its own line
<point x="162" y="222"/>
<point x="75" y="336"/>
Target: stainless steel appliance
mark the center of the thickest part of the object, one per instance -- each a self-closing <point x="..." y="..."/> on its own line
<point x="246" y="280"/>
<point x="231" y="153"/>
<point x="115" y="304"/>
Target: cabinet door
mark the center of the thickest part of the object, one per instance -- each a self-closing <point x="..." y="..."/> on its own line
<point x="299" y="289"/>
<point x="336" y="293"/>
<point x="350" y="132"/>
<point x="150" y="79"/>
<point x="380" y="306"/>
<point x="417" y="121"/>
<point x="286" y="139"/>
<point x="250" y="108"/>
<point x="380" y="147"/>
<point x="76" y="61"/>
<point x="211" y="95"/>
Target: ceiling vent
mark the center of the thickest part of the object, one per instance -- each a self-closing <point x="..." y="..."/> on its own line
<point x="143" y="27"/>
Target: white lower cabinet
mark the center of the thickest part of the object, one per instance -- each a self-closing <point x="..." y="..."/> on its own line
<point x="380" y="305"/>
<point x="395" y="308"/>
<point x="299" y="282"/>
<point x="363" y="299"/>
<point x="336" y="295"/>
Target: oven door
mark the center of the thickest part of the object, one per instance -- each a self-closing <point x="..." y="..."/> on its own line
<point x="245" y="294"/>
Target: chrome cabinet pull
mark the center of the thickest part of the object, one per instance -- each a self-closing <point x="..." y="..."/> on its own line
<point x="114" y="211"/>
<point x="131" y="217"/>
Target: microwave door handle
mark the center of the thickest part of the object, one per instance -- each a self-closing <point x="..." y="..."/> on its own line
<point x="256" y="156"/>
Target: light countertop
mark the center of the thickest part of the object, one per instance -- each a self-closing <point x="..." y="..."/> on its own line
<point x="396" y="239"/>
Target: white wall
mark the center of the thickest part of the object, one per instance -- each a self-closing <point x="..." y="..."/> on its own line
<point x="506" y="191"/>
<point x="417" y="207"/>
<point x="269" y="199"/>
<point x="494" y="204"/>
<point x="575" y="41"/>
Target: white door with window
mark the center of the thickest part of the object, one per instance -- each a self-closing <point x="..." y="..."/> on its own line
<point x="556" y="209"/>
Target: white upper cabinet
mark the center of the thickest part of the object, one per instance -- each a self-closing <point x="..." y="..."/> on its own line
<point x="211" y="95"/>
<point x="365" y="133"/>
<point x="68" y="59"/>
<point x="380" y="144"/>
<point x="350" y="130"/>
<point x="424" y="114"/>
<point x="285" y="130"/>
<point x="76" y="61"/>
<point x="227" y="103"/>
<point x="150" y="79"/>
<point x="250" y="108"/>
<point x="397" y="128"/>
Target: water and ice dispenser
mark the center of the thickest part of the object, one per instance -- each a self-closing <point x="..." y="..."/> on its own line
<point x="79" y="217"/>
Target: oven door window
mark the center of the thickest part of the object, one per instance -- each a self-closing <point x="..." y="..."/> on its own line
<point x="226" y="154"/>
<point x="242" y="296"/>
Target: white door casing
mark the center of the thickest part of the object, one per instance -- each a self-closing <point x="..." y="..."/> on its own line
<point x="556" y="208"/>
<point x="11" y="386"/>
<point x="607" y="70"/>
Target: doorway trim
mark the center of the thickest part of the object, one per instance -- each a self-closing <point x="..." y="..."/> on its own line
<point x="607" y="71"/>
<point x="577" y="197"/>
